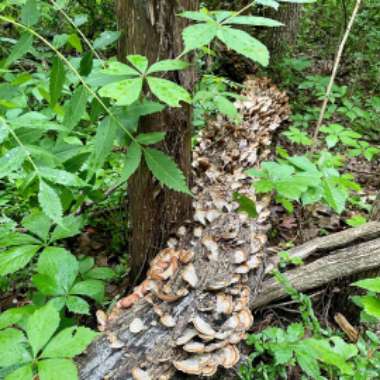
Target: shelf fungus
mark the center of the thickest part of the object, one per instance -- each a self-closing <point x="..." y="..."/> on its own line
<point x="192" y="310"/>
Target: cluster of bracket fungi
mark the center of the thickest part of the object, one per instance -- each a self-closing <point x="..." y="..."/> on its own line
<point x="212" y="258"/>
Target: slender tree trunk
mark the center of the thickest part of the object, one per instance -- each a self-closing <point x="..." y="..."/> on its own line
<point x="152" y="28"/>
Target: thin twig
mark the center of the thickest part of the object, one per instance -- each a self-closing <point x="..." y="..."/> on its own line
<point x="334" y="72"/>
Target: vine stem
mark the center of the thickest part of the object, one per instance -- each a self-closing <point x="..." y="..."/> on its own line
<point x="74" y="70"/>
<point x="334" y="72"/>
<point x="85" y="39"/>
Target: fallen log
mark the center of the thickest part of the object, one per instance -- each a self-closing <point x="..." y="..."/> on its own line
<point x="333" y="257"/>
<point x="192" y="310"/>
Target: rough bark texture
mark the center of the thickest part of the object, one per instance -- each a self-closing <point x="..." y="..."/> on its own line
<point x="151" y="28"/>
<point x="333" y="257"/>
<point x="199" y="284"/>
<point x="278" y="40"/>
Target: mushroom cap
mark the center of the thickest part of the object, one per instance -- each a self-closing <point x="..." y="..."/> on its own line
<point x="189" y="274"/>
<point x="139" y="374"/>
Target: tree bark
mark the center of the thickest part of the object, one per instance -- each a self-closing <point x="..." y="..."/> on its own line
<point x="200" y="282"/>
<point x="279" y="40"/>
<point x="152" y="28"/>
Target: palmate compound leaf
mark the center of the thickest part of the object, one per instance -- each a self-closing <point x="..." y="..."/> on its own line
<point x="50" y="202"/>
<point x="41" y="326"/>
<point x="16" y="258"/>
<point x="165" y="170"/>
<point x="89" y="288"/>
<point x="244" y="44"/>
<point x="69" y="343"/>
<point x="168" y="92"/>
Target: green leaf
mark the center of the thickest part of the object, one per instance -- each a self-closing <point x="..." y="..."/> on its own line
<point x="168" y="65"/>
<point x="132" y="161"/>
<point x="13" y="239"/>
<point x="371" y="284"/>
<point x="100" y="273"/>
<point x="331" y="140"/>
<point x="15" y="315"/>
<point x="16" y="258"/>
<point x="50" y="202"/>
<point x="57" y="80"/>
<point x="57" y="369"/>
<point x="140" y="62"/>
<point x="11" y="161"/>
<point x="75" y="42"/>
<point x="356" y="220"/>
<point x="150" y="138"/>
<point x="106" y="39"/>
<point x="61" y="176"/>
<point x="71" y="226"/>
<point x="371" y="305"/>
<point x="41" y="326"/>
<point x="196" y="16"/>
<point x="22" y="373"/>
<point x="308" y="364"/>
<point x="125" y="92"/>
<point x="105" y="136"/>
<point x="60" y="266"/>
<point x="89" y="288"/>
<point x="254" y="20"/>
<point x="246" y="204"/>
<point x="86" y="64"/>
<point x="37" y="223"/>
<point x="4" y="130"/>
<point x="199" y="35"/>
<point x="78" y="305"/>
<point x="30" y="13"/>
<point x="335" y="197"/>
<point x="22" y="47"/>
<point x="76" y="108"/>
<point x="69" y="343"/>
<point x="165" y="170"/>
<point x="13" y="348"/>
<point x="168" y="92"/>
<point x="226" y="107"/>
<point x="244" y="44"/>
<point x="117" y="69"/>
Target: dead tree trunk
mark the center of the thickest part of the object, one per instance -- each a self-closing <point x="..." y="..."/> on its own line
<point x="152" y="28"/>
<point x="193" y="309"/>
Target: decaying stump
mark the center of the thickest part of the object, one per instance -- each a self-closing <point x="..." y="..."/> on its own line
<point x="193" y="308"/>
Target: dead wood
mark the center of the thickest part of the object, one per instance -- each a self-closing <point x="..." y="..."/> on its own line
<point x="192" y="310"/>
<point x="343" y="254"/>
